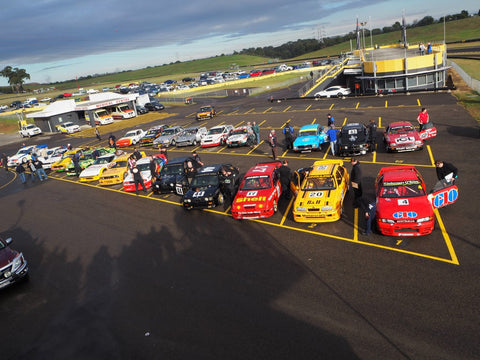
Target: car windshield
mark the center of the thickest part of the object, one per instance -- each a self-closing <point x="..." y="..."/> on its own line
<point x="87" y="156"/>
<point x="123" y="107"/>
<point x="23" y="151"/>
<point x="131" y="134"/>
<point x="239" y="132"/>
<point x="319" y="183"/>
<point x="205" y="180"/>
<point x="173" y="169"/>
<point x="31" y="126"/>
<point x="168" y="132"/>
<point x="151" y="132"/>
<point x="120" y="164"/>
<point x="102" y="160"/>
<point x="203" y="109"/>
<point x="144" y="166"/>
<point x="102" y="113"/>
<point x="401" y="129"/>
<point x="308" y="132"/>
<point x="257" y="183"/>
<point x="215" y="131"/>
<point x="191" y="132"/>
<point x="404" y="188"/>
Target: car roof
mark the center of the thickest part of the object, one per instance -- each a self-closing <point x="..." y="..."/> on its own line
<point x="325" y="167"/>
<point x="352" y="125"/>
<point x="270" y="167"/>
<point x="179" y="160"/>
<point x="310" y="127"/>
<point x="396" y="173"/>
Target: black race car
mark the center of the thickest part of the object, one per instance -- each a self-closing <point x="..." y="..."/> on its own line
<point x="173" y="177"/>
<point x="353" y="140"/>
<point x="206" y="187"/>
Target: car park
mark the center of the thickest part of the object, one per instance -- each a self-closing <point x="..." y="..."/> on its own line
<point x="403" y="207"/>
<point x="168" y="137"/>
<point x="333" y="91"/>
<point x="95" y="171"/>
<point x="143" y="166"/>
<point x="259" y="192"/>
<point x="320" y="191"/>
<point x="30" y="130"/>
<point x="191" y="136"/>
<point x="205" y="112"/>
<point x="13" y="266"/>
<point x="151" y="134"/>
<point x="217" y="135"/>
<point x="310" y="137"/>
<point x="68" y="128"/>
<point x="206" y="187"/>
<point x="132" y="137"/>
<point x="241" y="136"/>
<point x="173" y="177"/>
<point x="401" y="136"/>
<point x="353" y="139"/>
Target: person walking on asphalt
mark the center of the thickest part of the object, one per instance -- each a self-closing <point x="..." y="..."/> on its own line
<point x="332" y="136"/>
<point x="256" y="131"/>
<point x="97" y="133"/>
<point x="272" y="139"/>
<point x="356" y="182"/>
<point x="40" y="170"/>
<point x="20" y="170"/>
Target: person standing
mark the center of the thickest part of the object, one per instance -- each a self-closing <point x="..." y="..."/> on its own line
<point x="20" y="170"/>
<point x="112" y="141"/>
<point x="40" y="170"/>
<point x="332" y="137"/>
<point x="356" y="182"/>
<point x="272" y="140"/>
<point x="372" y="134"/>
<point x="153" y="166"/>
<point x="138" y="179"/>
<point x="97" y="133"/>
<point x="445" y="171"/>
<point x="76" y="163"/>
<point x="137" y="154"/>
<point x="228" y="186"/>
<point x="285" y="174"/>
<point x="33" y="169"/>
<point x="370" y="208"/>
<point x="429" y="48"/>
<point x="256" y="131"/>
<point x="197" y="159"/>
<point x="421" y="47"/>
<point x="288" y="132"/>
<point x="330" y="120"/>
<point x="5" y="161"/>
<point x="423" y="118"/>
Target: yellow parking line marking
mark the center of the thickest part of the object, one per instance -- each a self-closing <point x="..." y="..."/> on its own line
<point x="223" y="148"/>
<point x="9" y="182"/>
<point x="358" y="104"/>
<point x="261" y="142"/>
<point x="431" y="155"/>
<point x="249" y="111"/>
<point x="262" y="123"/>
<point x="386" y="103"/>
<point x="344" y="121"/>
<point x="446" y="238"/>
<point x="288" y="107"/>
<point x="308" y="107"/>
<point x="268" y="109"/>
<point x="287" y="210"/>
<point x="313" y="122"/>
<point x="286" y="151"/>
<point x="237" y="125"/>
<point x="418" y="102"/>
<point x="223" y="122"/>
<point x="379" y="121"/>
<point x="326" y="151"/>
<point x="331" y="107"/>
<point x="374" y="157"/>
<point x="355" y="225"/>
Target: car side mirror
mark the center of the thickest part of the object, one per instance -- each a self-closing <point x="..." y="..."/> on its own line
<point x="9" y="241"/>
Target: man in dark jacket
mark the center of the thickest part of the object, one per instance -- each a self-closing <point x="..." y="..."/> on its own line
<point x="356" y="182"/>
<point x="285" y="175"/>
<point x="138" y="179"/>
<point x="5" y="161"/>
<point x="20" y="170"/>
<point x="289" y="137"/>
<point x="443" y="169"/>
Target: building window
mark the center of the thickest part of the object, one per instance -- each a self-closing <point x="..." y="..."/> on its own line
<point x="422" y="79"/>
<point x="381" y="84"/>
<point x="400" y="83"/>
<point x="390" y="84"/>
<point x="430" y="79"/>
<point x="412" y="82"/>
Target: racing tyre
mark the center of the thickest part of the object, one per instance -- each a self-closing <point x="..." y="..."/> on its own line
<point x="339" y="95"/>
<point x="173" y="143"/>
<point x="194" y="142"/>
<point x="220" y="199"/>
<point x="134" y="142"/>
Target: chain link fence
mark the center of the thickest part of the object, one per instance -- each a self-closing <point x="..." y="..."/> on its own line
<point x="470" y="81"/>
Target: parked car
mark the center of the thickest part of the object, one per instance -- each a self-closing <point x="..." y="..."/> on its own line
<point x="52" y="155"/>
<point x="143" y="166"/>
<point x="255" y="73"/>
<point x="320" y="191"/>
<point x="259" y="192"/>
<point x="241" y="136"/>
<point x="335" y="91"/>
<point x="206" y="187"/>
<point x="217" y="135"/>
<point x="132" y="137"/>
<point x="68" y="128"/>
<point x="13" y="266"/>
<point x="30" y="130"/>
<point x="22" y="155"/>
<point x="401" y="136"/>
<point x="168" y="136"/>
<point x="352" y="140"/>
<point x="95" y="171"/>
<point x="191" y="136"/>
<point x="310" y="137"/>
<point x="154" y="106"/>
<point x="173" y="177"/>
<point x="151" y="134"/>
<point x="141" y="110"/>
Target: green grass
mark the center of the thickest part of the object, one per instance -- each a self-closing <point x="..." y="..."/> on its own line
<point x="471" y="67"/>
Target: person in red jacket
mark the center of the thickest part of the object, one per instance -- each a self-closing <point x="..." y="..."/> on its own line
<point x="423" y="118"/>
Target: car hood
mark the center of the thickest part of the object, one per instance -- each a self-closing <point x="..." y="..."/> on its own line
<point x="238" y="137"/>
<point x="188" y="137"/>
<point x="402" y="138"/>
<point x="254" y="196"/>
<point x="207" y="191"/>
<point x="404" y="208"/>
<point x="93" y="170"/>
<point x="114" y="171"/>
<point x="173" y="178"/>
<point x="314" y="198"/>
<point x="6" y="256"/>
<point x="213" y="137"/>
<point x="310" y="139"/>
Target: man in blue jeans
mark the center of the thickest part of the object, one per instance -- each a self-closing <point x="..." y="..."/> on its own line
<point x="332" y="136"/>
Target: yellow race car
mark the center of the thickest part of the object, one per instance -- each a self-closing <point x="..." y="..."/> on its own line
<point x="66" y="159"/>
<point x="116" y="171"/>
<point x="320" y="191"/>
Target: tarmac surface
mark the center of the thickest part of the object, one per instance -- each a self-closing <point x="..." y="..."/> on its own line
<point x="115" y="275"/>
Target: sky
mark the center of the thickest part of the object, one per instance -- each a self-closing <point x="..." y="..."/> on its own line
<point x="56" y="40"/>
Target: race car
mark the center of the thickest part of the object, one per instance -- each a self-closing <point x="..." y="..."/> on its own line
<point x="67" y="157"/>
<point x="68" y="128"/>
<point x="310" y="137"/>
<point x="13" y="266"/>
<point x="402" y="136"/>
<point x="168" y="137"/>
<point x="86" y="159"/>
<point x="205" y="189"/>
<point x="353" y="140"/>
<point x="151" y="134"/>
<point x="130" y="138"/>
<point x="320" y="191"/>
<point x="23" y="155"/>
<point x="117" y="170"/>
<point x="428" y="131"/>
<point x="94" y="171"/>
<point x="173" y="177"/>
<point x="403" y="207"/>
<point x="259" y="191"/>
<point x="241" y="136"/>
<point x="205" y="112"/>
<point x="217" y="135"/>
<point x="144" y="166"/>
<point x="52" y="155"/>
<point x="191" y="136"/>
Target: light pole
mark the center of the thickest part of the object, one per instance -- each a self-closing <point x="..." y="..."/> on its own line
<point x="362" y="24"/>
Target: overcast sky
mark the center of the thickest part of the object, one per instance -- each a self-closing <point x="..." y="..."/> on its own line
<point x="55" y="40"/>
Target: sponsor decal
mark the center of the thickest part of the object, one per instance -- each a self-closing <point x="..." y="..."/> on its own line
<point x="445" y="198"/>
<point x="251" y="193"/>
<point x="405" y="215"/>
<point x="315" y="193"/>
<point x="198" y="194"/>
<point x="401" y="182"/>
<point x="322" y="167"/>
<point x="402" y="202"/>
<point x="251" y="199"/>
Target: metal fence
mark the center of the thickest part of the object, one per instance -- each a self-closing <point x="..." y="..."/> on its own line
<point x="471" y="82"/>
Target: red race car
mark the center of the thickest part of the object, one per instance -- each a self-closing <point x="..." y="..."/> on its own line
<point x="403" y="207"/>
<point x="258" y="194"/>
<point x="402" y="136"/>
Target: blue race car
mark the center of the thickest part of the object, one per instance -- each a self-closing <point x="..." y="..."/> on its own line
<point x="310" y="137"/>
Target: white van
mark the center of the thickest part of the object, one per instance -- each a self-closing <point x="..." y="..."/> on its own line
<point x="101" y="117"/>
<point x="122" y="111"/>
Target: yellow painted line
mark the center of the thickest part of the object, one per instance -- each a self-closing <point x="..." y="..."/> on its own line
<point x="286" y="151"/>
<point x="313" y="122"/>
<point x="270" y="108"/>
<point x="374" y="157"/>
<point x="344" y="121"/>
<point x="448" y="242"/>
<point x="379" y="121"/>
<point x="358" y="104"/>
<point x="238" y="124"/>
<point x="326" y="152"/>
<point x="331" y="107"/>
<point x="223" y="148"/>
<point x="9" y="182"/>
<point x="263" y="122"/>
<point x="418" y="102"/>
<point x="308" y="107"/>
<point x="355" y="225"/>
<point x="432" y="160"/>
<point x="287" y="210"/>
<point x="261" y="142"/>
<point x="288" y="107"/>
<point x="285" y="123"/>
<point x="223" y="122"/>
<point x="386" y="103"/>
<point x="249" y="111"/>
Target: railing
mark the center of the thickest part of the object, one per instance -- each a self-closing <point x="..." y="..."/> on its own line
<point x="471" y="82"/>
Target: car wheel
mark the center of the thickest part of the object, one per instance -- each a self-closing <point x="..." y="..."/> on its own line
<point x="220" y="199"/>
<point x="275" y="206"/>
<point x="194" y="142"/>
<point x="339" y="95"/>
<point x="173" y="142"/>
<point x="134" y="142"/>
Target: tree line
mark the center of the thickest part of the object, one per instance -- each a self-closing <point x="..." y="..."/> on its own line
<point x="297" y="48"/>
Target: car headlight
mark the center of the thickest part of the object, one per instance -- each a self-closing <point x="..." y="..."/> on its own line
<point x="314" y="145"/>
<point x="188" y="200"/>
<point x="301" y="208"/>
<point x="418" y="142"/>
<point x="209" y="198"/>
<point x="424" y="219"/>
<point x="326" y="208"/>
<point x="388" y="221"/>
<point x="17" y="262"/>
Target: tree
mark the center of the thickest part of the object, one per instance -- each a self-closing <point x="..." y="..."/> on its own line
<point x="16" y="77"/>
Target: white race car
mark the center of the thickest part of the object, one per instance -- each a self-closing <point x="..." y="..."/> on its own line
<point x="22" y="155"/>
<point x="217" y="135"/>
<point x="94" y="171"/>
<point x="49" y="156"/>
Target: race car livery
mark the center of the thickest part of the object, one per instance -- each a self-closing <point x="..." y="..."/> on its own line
<point x="151" y="134"/>
<point x="241" y="136"/>
<point x="258" y="194"/>
<point x="143" y="166"/>
<point x="310" y="137"/>
<point x="353" y="140"/>
<point x="217" y="135"/>
<point x="402" y="136"/>
<point x="428" y="131"/>
<point x="132" y="137"/>
<point x="205" y="112"/>
<point x="173" y="177"/>
<point x="191" y="136"/>
<point x="320" y="191"/>
<point x="67" y="157"/>
<point x="94" y="171"/>
<point x="117" y="170"/>
<point x="23" y="155"/>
